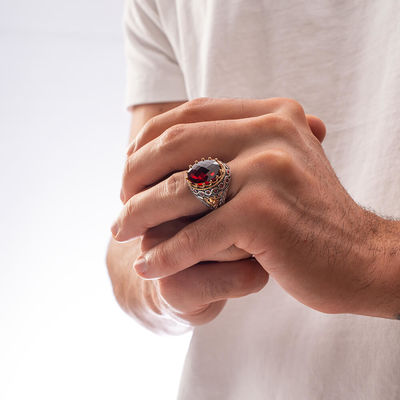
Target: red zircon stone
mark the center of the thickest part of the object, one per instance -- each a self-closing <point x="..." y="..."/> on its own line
<point x="203" y="172"/>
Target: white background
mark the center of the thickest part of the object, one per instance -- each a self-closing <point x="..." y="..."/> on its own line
<point x="63" y="133"/>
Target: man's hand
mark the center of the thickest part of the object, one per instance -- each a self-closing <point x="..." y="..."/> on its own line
<point x="196" y="295"/>
<point x="148" y="203"/>
<point x="285" y="205"/>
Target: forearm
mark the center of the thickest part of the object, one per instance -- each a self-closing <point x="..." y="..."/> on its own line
<point x="380" y="297"/>
<point x="135" y="295"/>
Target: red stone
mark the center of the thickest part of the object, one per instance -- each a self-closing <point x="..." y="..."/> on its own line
<point x="203" y="172"/>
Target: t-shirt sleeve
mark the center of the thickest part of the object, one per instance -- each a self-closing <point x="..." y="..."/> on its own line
<point x="152" y="72"/>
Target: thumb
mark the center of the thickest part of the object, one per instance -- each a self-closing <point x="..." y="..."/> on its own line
<point x="317" y="126"/>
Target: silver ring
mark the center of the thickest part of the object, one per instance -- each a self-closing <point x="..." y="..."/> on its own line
<point x="209" y="181"/>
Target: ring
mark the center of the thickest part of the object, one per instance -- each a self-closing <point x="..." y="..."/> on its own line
<point x="209" y="181"/>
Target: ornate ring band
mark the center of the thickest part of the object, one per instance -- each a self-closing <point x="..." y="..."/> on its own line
<point x="209" y="181"/>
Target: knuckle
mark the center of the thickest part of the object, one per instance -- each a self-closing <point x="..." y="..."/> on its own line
<point x="168" y="259"/>
<point x="170" y="137"/>
<point x="164" y="260"/>
<point x="128" y="171"/>
<point x="150" y="125"/>
<point x="279" y="123"/>
<point x="290" y="105"/>
<point x="195" y="107"/>
<point x="212" y="289"/>
<point x="130" y="209"/>
<point x="273" y="161"/>
<point x="207" y="290"/>
<point x="173" y="186"/>
<point x="294" y="107"/>
<point x="189" y="238"/>
<point x="278" y="160"/>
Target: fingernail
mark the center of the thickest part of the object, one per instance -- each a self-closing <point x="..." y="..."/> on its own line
<point x="115" y="228"/>
<point x="122" y="195"/>
<point x="140" y="265"/>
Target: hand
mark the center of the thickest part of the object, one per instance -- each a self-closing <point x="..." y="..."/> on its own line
<point x="197" y="294"/>
<point x="166" y="230"/>
<point x="285" y="206"/>
<point x="133" y="222"/>
<point x="195" y="111"/>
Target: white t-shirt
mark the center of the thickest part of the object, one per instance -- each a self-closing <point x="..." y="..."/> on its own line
<point x="341" y="61"/>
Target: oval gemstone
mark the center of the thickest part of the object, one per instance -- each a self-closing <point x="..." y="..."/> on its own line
<point x="203" y="172"/>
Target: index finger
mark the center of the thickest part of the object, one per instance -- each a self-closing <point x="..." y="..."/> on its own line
<point x="203" y="109"/>
<point x="200" y="240"/>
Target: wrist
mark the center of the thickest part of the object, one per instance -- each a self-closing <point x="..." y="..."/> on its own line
<point x="380" y="297"/>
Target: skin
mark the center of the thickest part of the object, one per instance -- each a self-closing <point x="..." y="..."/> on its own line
<point x="137" y="296"/>
<point x="146" y="300"/>
<point x="286" y="214"/>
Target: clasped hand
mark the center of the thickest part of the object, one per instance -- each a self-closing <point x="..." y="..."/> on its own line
<point x="286" y="214"/>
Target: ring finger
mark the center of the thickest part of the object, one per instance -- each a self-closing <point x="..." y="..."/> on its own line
<point x="171" y="151"/>
<point x="165" y="201"/>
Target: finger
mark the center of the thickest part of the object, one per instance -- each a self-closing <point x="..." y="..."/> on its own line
<point x="317" y="127"/>
<point x="206" y="109"/>
<point x="200" y="240"/>
<point x="203" y="109"/>
<point x="164" y="231"/>
<point x="182" y="144"/>
<point x="202" y="284"/>
<point x="165" y="201"/>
